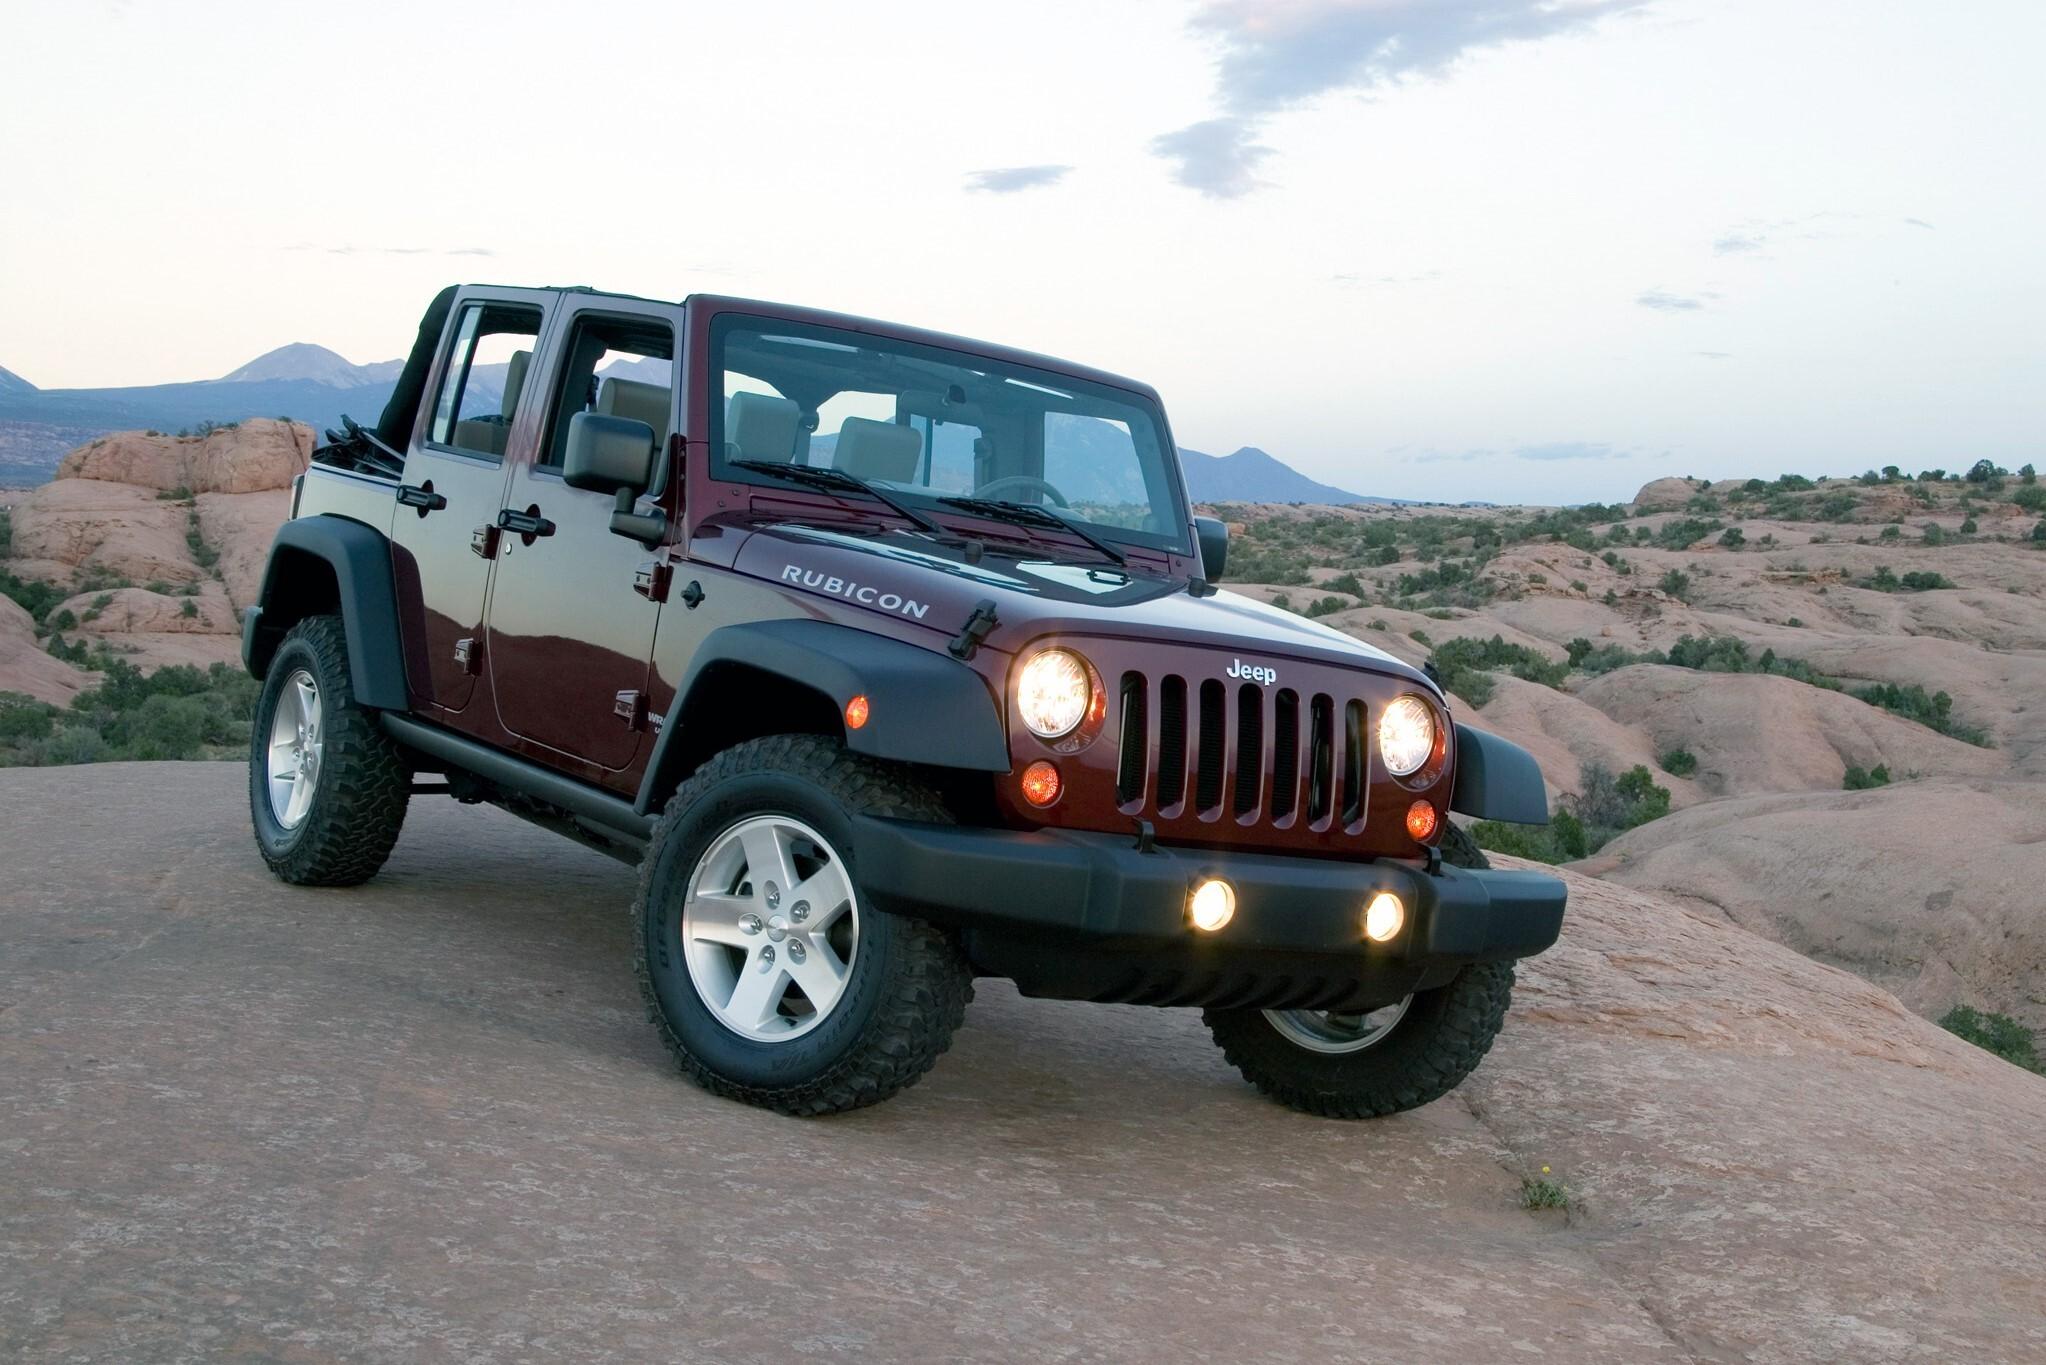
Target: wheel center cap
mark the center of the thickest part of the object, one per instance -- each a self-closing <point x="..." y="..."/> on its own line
<point x="777" y="928"/>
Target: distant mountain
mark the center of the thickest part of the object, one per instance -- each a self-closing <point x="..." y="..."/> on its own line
<point x="1250" y="475"/>
<point x="317" y="364"/>
<point x="10" y="382"/>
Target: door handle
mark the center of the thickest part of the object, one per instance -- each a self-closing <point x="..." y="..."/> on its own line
<point x="528" y="523"/>
<point x="422" y="497"/>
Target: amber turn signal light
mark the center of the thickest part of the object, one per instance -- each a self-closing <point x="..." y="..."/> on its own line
<point x="856" y="712"/>
<point x="1041" y="784"/>
<point x="1421" y="821"/>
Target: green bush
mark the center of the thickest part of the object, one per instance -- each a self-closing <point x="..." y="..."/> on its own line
<point x="1679" y="762"/>
<point x="1861" y="780"/>
<point x="1934" y="711"/>
<point x="1677" y="584"/>
<point x="2030" y="496"/>
<point x="1997" y="1033"/>
<point x="176" y="712"/>
<point x="6" y="532"/>
<point x="1464" y="666"/>
<point x="1328" y="606"/>
<point x="1684" y="533"/>
<point x="1733" y="538"/>
<point x="34" y="595"/>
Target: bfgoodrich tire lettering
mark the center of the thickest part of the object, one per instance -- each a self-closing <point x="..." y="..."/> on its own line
<point x="907" y="986"/>
<point x="362" y="785"/>
<point x="1440" y="1039"/>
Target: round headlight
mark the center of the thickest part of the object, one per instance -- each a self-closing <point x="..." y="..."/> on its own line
<point x="1406" y="735"/>
<point x="1053" y="692"/>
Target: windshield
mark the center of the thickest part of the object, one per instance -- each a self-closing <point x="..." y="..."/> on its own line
<point x="928" y="424"/>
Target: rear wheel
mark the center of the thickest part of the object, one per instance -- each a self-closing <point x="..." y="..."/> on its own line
<point x="327" y="787"/>
<point x="769" y="975"/>
<point x="1369" y="1064"/>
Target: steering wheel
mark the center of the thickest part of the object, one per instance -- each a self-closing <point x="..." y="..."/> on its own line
<point x="1026" y="481"/>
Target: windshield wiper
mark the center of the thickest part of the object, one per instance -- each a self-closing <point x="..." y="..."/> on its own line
<point x="838" y="481"/>
<point x="1029" y="514"/>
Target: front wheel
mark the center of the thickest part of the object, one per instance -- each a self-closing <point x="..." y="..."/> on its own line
<point x="327" y="787"/>
<point x="769" y="975"/>
<point x="1366" y="1065"/>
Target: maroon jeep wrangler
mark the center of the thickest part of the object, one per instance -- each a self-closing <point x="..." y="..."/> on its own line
<point x="891" y="659"/>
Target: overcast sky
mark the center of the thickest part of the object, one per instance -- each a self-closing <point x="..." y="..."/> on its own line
<point x="1502" y="249"/>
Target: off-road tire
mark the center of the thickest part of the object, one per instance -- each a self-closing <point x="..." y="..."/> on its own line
<point x="364" y="782"/>
<point x="1440" y="1040"/>
<point x="908" y="987"/>
<point x="1460" y="850"/>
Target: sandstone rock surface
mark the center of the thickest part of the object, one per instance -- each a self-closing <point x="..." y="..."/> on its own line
<point x="1934" y="889"/>
<point x="27" y="668"/>
<point x="258" y="454"/>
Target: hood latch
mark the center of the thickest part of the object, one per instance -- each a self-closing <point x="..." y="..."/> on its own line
<point x="976" y="629"/>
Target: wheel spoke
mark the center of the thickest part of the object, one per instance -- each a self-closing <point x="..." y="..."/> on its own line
<point x="757" y="992"/>
<point x="826" y="892"/>
<point x="818" y="974"/>
<point x="768" y="864"/>
<point x="714" y="918"/>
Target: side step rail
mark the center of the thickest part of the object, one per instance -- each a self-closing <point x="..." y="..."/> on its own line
<point x="608" y="814"/>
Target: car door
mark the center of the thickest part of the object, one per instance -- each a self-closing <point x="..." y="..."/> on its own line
<point x="571" y="624"/>
<point x="476" y="417"/>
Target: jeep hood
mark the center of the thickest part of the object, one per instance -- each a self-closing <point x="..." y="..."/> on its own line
<point x="913" y="578"/>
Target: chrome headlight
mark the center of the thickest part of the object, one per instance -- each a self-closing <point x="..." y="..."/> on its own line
<point x="1406" y="735"/>
<point x="1053" y="692"/>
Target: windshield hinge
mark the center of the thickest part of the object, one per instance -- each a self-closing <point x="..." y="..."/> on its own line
<point x="976" y="629"/>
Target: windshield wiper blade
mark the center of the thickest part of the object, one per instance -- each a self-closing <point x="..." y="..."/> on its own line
<point x="1029" y="514"/>
<point x="838" y="481"/>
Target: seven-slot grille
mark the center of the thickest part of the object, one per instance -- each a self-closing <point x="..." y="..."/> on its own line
<point x="1252" y="754"/>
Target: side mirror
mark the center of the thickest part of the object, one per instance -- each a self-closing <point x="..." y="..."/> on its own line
<point x="608" y="454"/>
<point x="1213" y="535"/>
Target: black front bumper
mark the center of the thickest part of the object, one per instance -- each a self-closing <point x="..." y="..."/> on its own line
<point x="1093" y="917"/>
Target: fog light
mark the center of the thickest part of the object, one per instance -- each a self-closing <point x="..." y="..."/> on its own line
<point x="1384" y="917"/>
<point x="1421" y="821"/>
<point x="1212" y="904"/>
<point x="1041" y="784"/>
<point x="856" y="712"/>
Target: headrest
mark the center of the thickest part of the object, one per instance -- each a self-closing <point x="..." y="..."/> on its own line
<point x="759" y="426"/>
<point x="878" y="450"/>
<point x="641" y="402"/>
<point x="514" y="380"/>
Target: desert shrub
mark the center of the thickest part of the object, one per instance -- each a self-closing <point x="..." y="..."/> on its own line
<point x="1891" y="533"/>
<point x="63" y="619"/>
<point x="1349" y="583"/>
<point x="1560" y="841"/>
<point x="1794" y="483"/>
<point x="1997" y="1033"/>
<point x="1679" y="762"/>
<point x="2031" y="496"/>
<point x="1934" y="533"/>
<point x="1542" y="1194"/>
<point x="1464" y="665"/>
<point x="6" y="531"/>
<point x="1327" y="606"/>
<point x="1865" y="779"/>
<point x="1932" y="476"/>
<point x="178" y="494"/>
<point x="1969" y="527"/>
<point x="2027" y="474"/>
<point x="204" y="555"/>
<point x="2039" y="534"/>
<point x="1733" y="538"/>
<point x="1835" y="507"/>
<point x="1924" y="582"/>
<point x="1610" y="805"/>
<point x="1935" y="711"/>
<point x="1683" y="533"/>
<point x="1282" y="601"/>
<point x="34" y="595"/>
<point x="177" y="712"/>
<point x="1982" y="471"/>
<point x="1677" y="584"/>
<point x="188" y="608"/>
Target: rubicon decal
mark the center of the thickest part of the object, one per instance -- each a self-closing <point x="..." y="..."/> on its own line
<point x="1255" y="673"/>
<point x="866" y="594"/>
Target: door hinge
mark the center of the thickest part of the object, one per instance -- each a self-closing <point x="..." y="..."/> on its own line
<point x="469" y="654"/>
<point x="631" y="708"/>
<point x="483" y="541"/>
<point x="650" y="580"/>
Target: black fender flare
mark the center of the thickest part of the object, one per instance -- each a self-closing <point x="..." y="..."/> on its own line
<point x="365" y="594"/>
<point x="1496" y="779"/>
<point x="927" y="707"/>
